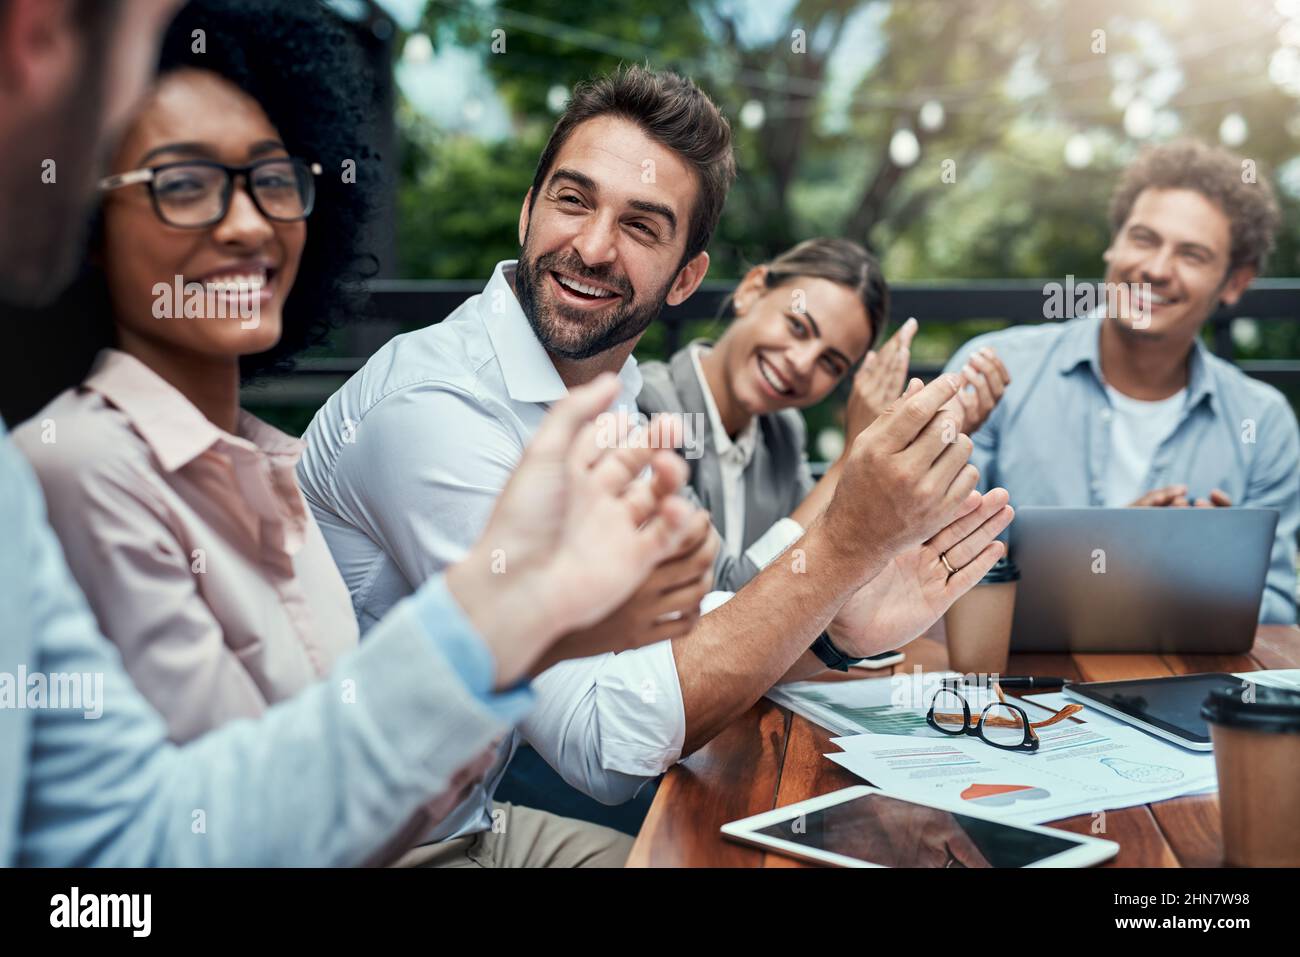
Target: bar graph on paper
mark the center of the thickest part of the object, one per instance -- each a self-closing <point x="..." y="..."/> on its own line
<point x="891" y="705"/>
<point x="877" y="719"/>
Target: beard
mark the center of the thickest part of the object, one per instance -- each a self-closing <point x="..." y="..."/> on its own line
<point x="572" y="333"/>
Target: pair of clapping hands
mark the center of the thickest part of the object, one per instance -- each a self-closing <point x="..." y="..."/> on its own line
<point x="880" y="379"/>
<point x="882" y="375"/>
<point x="578" y="532"/>
<point x="590" y="550"/>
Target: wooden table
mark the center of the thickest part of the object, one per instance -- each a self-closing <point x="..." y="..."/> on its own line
<point x="769" y="757"/>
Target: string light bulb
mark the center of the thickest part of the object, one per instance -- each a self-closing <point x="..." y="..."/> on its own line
<point x="904" y="147"/>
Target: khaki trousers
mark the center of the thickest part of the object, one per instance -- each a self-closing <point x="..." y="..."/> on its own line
<point x="524" y="837"/>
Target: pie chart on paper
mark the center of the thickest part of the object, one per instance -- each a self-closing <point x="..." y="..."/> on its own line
<point x="1003" y="795"/>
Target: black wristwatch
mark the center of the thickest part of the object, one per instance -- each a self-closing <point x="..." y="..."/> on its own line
<point x="831" y="656"/>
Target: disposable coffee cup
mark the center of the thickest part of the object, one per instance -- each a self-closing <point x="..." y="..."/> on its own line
<point x="978" y="624"/>
<point x="1256" y="735"/>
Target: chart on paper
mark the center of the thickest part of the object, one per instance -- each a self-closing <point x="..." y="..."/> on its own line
<point x="890" y="705"/>
<point x="1078" y="770"/>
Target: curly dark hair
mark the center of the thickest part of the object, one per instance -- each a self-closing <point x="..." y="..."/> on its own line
<point x="295" y="58"/>
<point x="1219" y="176"/>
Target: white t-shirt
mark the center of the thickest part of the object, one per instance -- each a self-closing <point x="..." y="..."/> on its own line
<point x="1137" y="428"/>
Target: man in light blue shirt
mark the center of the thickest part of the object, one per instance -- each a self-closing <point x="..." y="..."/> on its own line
<point x="1125" y="405"/>
<point x="332" y="776"/>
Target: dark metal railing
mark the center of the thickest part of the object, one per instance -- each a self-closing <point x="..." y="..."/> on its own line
<point x="399" y="305"/>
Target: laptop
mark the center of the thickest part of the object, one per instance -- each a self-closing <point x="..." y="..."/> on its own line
<point x="1154" y="580"/>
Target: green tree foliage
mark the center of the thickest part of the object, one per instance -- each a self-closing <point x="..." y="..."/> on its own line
<point x="1015" y="78"/>
<point x="990" y="194"/>
<point x="458" y="208"/>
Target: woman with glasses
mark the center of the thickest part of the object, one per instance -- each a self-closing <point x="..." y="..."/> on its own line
<point x="224" y="244"/>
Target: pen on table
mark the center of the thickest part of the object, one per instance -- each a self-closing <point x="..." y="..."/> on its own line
<point x="1032" y="681"/>
<point x="1021" y="682"/>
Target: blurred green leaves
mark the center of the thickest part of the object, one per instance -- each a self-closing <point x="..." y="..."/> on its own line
<point x="1016" y="79"/>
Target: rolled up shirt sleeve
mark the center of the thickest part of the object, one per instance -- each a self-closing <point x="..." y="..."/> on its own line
<point x="610" y="723"/>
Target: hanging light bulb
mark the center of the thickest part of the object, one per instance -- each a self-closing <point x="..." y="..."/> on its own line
<point x="1284" y="70"/>
<point x="557" y="97"/>
<point x="931" y="116"/>
<point x="418" y="48"/>
<point x="752" y="115"/>
<point x="1233" y="130"/>
<point x="904" y="148"/>
<point x="1078" y="151"/>
<point x="1139" y="119"/>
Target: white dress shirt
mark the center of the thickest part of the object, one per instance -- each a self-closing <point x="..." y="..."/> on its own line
<point x="734" y="457"/>
<point x="402" y="467"/>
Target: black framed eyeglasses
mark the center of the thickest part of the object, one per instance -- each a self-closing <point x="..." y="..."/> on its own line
<point x="195" y="194"/>
<point x="1001" y="724"/>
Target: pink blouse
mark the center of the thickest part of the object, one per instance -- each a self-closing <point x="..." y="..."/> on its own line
<point x="194" y="547"/>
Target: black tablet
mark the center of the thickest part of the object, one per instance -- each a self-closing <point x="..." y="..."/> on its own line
<point x="1168" y="707"/>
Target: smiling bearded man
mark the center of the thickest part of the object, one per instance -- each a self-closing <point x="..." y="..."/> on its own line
<point x="403" y="463"/>
<point x="602" y="251"/>
<point x="560" y="325"/>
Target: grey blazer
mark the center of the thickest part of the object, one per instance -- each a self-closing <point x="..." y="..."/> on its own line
<point x="777" y="479"/>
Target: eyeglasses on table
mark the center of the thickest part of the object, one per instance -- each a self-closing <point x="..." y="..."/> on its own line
<point x="1001" y="724"/>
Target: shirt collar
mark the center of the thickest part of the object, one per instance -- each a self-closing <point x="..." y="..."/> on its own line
<point x="722" y="442"/>
<point x="172" y="426"/>
<point x="529" y="374"/>
<point x="1081" y="343"/>
<point x="282" y="449"/>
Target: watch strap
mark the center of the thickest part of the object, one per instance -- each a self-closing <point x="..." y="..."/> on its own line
<point x="831" y="656"/>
